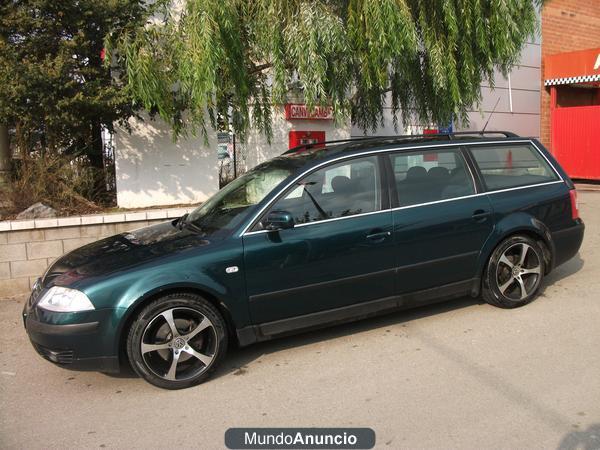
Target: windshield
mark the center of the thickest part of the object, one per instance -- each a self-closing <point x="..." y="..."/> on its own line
<point x="227" y="208"/>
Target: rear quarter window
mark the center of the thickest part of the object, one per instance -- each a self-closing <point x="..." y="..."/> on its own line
<point x="507" y="166"/>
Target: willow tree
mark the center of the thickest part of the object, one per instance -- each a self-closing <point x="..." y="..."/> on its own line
<point x="205" y="61"/>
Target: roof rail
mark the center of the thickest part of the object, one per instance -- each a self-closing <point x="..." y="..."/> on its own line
<point x="400" y="137"/>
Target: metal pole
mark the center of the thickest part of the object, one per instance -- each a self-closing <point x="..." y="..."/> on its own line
<point x="510" y="100"/>
<point x="234" y="158"/>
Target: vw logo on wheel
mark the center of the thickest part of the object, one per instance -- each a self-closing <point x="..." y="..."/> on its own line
<point x="179" y="343"/>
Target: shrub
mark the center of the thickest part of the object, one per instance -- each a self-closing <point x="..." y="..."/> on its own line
<point x="62" y="182"/>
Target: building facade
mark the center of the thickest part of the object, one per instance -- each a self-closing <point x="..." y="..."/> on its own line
<point x="516" y="100"/>
<point x="570" y="99"/>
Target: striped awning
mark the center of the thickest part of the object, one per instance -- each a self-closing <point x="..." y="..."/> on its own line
<point x="572" y="80"/>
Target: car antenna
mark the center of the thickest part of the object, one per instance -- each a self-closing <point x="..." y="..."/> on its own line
<point x="490" y="116"/>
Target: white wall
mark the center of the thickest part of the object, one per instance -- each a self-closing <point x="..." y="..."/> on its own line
<point x="153" y="170"/>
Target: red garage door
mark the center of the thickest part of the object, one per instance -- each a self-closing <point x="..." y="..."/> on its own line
<point x="576" y="140"/>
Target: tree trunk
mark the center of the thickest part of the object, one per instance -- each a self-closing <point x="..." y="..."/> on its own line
<point x="5" y="156"/>
<point x="96" y="157"/>
<point x="97" y="147"/>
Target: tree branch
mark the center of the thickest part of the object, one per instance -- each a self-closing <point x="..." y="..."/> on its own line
<point x="259" y="68"/>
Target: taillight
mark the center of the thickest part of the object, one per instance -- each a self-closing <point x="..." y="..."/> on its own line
<point x="574" y="208"/>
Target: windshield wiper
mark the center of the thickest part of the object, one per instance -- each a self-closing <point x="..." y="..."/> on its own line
<point x="182" y="223"/>
<point x="193" y="227"/>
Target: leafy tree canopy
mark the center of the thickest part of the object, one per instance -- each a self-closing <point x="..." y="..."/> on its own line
<point x="202" y="61"/>
<point x="54" y="88"/>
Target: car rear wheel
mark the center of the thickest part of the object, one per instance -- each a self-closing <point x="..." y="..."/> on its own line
<point x="177" y="341"/>
<point x="514" y="273"/>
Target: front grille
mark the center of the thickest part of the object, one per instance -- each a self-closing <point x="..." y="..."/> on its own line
<point x="56" y="356"/>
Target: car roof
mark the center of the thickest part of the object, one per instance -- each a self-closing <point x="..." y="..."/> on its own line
<point x="325" y="150"/>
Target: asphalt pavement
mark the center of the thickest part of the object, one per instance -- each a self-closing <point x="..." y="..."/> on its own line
<point x="461" y="374"/>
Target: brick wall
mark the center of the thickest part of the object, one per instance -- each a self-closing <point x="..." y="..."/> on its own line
<point x="567" y="26"/>
<point x="27" y="248"/>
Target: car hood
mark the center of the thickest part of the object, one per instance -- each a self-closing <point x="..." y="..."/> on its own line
<point x="122" y="251"/>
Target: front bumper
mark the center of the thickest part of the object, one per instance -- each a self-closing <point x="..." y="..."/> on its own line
<point x="76" y="341"/>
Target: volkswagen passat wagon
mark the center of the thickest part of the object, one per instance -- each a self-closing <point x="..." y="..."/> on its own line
<point x="314" y="237"/>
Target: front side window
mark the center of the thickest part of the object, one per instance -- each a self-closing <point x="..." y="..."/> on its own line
<point x="339" y="190"/>
<point x="429" y="176"/>
<point x="506" y="166"/>
<point x="228" y="207"/>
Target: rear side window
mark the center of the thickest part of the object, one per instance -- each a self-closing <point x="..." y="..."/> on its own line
<point x="506" y="166"/>
<point x="429" y="176"/>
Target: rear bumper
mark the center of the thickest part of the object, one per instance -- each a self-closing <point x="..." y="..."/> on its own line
<point x="567" y="242"/>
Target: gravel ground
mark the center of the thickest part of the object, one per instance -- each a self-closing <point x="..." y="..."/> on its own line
<point x="454" y="375"/>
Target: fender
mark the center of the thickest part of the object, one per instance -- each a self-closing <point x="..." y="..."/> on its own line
<point x="144" y="287"/>
<point x="517" y="222"/>
<point x="227" y="294"/>
<point x="132" y="288"/>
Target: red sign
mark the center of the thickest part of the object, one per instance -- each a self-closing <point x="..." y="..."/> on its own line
<point x="573" y="64"/>
<point x="298" y="138"/>
<point x="299" y="111"/>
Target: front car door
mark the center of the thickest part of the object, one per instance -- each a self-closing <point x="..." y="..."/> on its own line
<point x="339" y="253"/>
<point x="440" y="224"/>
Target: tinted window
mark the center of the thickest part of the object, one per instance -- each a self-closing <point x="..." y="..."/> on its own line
<point x="509" y="166"/>
<point x="340" y="190"/>
<point x="429" y="176"/>
<point x="225" y="209"/>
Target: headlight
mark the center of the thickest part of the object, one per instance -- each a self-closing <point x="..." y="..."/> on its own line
<point x="62" y="299"/>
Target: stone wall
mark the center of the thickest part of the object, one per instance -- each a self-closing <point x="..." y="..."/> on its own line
<point x="28" y="247"/>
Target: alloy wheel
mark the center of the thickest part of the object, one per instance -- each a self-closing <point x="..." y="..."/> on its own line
<point x="179" y="343"/>
<point x="518" y="273"/>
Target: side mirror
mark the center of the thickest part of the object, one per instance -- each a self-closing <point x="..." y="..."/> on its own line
<point x="278" y="220"/>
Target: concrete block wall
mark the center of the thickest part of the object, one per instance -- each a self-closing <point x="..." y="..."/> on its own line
<point x="27" y="248"/>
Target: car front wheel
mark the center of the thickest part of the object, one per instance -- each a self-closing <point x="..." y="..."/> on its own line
<point x="177" y="341"/>
<point x="514" y="273"/>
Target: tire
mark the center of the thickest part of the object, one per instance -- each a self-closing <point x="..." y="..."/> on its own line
<point x="510" y="281"/>
<point x="182" y="358"/>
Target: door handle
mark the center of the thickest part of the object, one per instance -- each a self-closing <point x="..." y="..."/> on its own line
<point x="480" y="215"/>
<point x="378" y="235"/>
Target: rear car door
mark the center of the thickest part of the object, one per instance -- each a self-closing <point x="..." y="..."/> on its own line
<point x="339" y="253"/>
<point x="440" y="223"/>
<point x="522" y="184"/>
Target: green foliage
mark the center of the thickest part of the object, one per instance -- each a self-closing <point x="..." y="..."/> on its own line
<point x="54" y="89"/>
<point x="230" y="60"/>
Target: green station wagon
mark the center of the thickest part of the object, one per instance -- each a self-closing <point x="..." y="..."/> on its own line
<point x="320" y="235"/>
